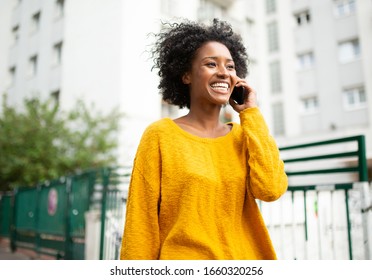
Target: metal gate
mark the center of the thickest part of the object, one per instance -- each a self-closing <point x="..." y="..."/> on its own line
<point x="325" y="213"/>
<point x="114" y="185"/>
<point x="49" y="219"/>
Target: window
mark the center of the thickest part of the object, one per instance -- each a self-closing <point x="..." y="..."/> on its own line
<point x="270" y="6"/>
<point x="57" y="53"/>
<point x="344" y="7"/>
<point x="278" y="119"/>
<point x="12" y="75"/>
<point x="273" y="40"/>
<point x="35" y="22"/>
<point x="303" y="18"/>
<point x="349" y="50"/>
<point x="55" y="96"/>
<point x="354" y="98"/>
<point x="275" y="77"/>
<point x="310" y="104"/>
<point x="305" y="61"/>
<point x="59" y="8"/>
<point x="15" y="34"/>
<point x="32" y="67"/>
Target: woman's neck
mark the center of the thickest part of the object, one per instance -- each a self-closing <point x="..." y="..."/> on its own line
<point x="203" y="122"/>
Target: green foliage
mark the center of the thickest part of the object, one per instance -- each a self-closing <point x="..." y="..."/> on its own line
<point x="41" y="142"/>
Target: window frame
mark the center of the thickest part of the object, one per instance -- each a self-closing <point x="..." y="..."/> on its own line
<point x="32" y="66"/>
<point x="349" y="50"/>
<point x="311" y="100"/>
<point x="303" y="18"/>
<point x="305" y="61"/>
<point x="35" y="22"/>
<point x="273" y="37"/>
<point x="344" y="8"/>
<point x="359" y="96"/>
<point x="275" y="77"/>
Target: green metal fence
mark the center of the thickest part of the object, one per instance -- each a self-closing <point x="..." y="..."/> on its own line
<point x="115" y="182"/>
<point x="320" y="172"/>
<point x="49" y="218"/>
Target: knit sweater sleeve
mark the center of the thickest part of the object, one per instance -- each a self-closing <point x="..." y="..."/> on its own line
<point x="141" y="231"/>
<point x="267" y="178"/>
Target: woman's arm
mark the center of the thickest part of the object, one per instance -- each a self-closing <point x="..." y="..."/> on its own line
<point x="141" y="232"/>
<point x="267" y="178"/>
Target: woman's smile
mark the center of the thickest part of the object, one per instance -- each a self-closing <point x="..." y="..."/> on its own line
<point x="220" y="87"/>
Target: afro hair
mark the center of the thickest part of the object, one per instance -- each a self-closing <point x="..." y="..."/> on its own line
<point x="175" y="49"/>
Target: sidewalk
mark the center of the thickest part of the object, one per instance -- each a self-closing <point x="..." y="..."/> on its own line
<point x="6" y="254"/>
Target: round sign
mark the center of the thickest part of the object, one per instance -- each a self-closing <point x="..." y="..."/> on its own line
<point x="52" y="201"/>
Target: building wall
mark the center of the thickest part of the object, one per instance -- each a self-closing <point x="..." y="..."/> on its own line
<point x="327" y="77"/>
<point x="92" y="47"/>
<point x="5" y="42"/>
<point x="38" y="30"/>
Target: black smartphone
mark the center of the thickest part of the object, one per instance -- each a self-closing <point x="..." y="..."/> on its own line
<point x="238" y="95"/>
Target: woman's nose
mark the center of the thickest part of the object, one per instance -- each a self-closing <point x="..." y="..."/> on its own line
<point x="223" y="72"/>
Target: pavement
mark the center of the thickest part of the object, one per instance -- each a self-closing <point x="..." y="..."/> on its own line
<point x="7" y="254"/>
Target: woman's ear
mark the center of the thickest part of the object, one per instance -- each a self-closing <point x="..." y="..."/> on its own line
<point x="186" y="78"/>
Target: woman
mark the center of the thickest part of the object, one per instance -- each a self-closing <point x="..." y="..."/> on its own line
<point x="195" y="179"/>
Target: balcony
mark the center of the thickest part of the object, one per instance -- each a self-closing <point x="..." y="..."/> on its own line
<point x="346" y="27"/>
<point x="351" y="73"/>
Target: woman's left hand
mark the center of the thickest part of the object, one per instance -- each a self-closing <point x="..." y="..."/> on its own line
<point x="250" y="99"/>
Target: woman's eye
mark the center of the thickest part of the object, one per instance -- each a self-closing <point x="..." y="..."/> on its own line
<point x="230" y="67"/>
<point x="212" y="64"/>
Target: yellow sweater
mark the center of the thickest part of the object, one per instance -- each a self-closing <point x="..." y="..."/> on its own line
<point x="194" y="198"/>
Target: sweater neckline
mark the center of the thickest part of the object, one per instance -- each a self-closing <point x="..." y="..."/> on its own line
<point x="177" y="128"/>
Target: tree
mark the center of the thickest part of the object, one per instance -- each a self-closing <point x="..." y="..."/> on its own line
<point x="42" y="142"/>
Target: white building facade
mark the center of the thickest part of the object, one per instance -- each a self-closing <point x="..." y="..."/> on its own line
<point x="317" y="67"/>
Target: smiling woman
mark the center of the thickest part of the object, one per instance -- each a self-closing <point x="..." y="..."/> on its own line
<point x="195" y="180"/>
<point x="212" y="75"/>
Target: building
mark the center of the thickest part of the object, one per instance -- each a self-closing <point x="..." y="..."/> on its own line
<point x="317" y="59"/>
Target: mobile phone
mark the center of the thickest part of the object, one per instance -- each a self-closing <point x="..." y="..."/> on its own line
<point x="238" y="95"/>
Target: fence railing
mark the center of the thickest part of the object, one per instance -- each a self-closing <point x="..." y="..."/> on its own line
<point x="114" y="182"/>
<point x="325" y="206"/>
<point x="49" y="218"/>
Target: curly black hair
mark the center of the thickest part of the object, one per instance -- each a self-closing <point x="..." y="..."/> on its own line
<point x="175" y="49"/>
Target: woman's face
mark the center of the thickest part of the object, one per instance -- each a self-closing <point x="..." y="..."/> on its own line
<point x="212" y="75"/>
